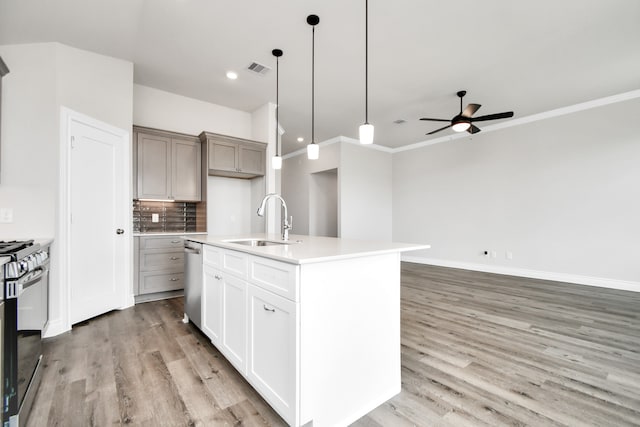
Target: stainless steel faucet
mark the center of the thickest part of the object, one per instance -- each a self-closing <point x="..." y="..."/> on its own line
<point x="287" y="224"/>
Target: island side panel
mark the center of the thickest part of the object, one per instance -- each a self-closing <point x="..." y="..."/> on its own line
<point x="350" y="337"/>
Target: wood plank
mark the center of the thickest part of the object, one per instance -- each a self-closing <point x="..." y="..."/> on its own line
<point x="478" y="349"/>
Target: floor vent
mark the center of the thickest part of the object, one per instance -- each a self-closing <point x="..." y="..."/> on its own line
<point x="258" y="68"/>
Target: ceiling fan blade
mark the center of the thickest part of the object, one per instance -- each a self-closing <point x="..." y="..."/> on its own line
<point x="471" y="109"/>
<point x="438" y="130"/>
<point x="493" y="117"/>
<point x="435" y="120"/>
<point x="473" y="129"/>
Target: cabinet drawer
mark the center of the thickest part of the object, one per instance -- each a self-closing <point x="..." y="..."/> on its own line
<point x="162" y="242"/>
<point x="212" y="255"/>
<point x="151" y="282"/>
<point x="235" y="263"/>
<point x="278" y="277"/>
<point x="152" y="259"/>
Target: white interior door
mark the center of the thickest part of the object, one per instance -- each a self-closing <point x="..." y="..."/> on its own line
<point x="98" y="197"/>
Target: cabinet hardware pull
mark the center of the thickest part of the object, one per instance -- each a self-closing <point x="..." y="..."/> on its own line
<point x="273" y="310"/>
<point x="175" y="241"/>
<point x="218" y="277"/>
<point x="173" y="258"/>
<point x="173" y="279"/>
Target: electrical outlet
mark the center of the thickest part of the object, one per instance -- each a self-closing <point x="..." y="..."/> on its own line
<point x="155" y="218"/>
<point x="494" y="254"/>
<point x="6" y="215"/>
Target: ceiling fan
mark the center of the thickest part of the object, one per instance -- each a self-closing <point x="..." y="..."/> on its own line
<point x="464" y="120"/>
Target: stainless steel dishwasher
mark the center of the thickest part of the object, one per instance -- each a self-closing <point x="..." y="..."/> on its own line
<point x="193" y="282"/>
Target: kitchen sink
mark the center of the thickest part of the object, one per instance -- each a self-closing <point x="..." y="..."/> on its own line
<point x="259" y="242"/>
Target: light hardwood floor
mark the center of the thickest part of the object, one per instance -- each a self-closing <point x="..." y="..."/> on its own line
<point x="477" y="350"/>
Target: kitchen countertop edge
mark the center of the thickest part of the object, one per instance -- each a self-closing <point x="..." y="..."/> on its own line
<point x="172" y="233"/>
<point x="354" y="249"/>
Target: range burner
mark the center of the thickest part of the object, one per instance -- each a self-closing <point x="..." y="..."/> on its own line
<point x="9" y="248"/>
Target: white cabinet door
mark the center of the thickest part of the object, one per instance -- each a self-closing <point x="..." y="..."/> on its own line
<point x="212" y="305"/>
<point x="234" y="320"/>
<point x="273" y="362"/>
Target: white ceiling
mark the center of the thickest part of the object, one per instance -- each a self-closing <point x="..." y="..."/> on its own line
<point x="528" y="57"/>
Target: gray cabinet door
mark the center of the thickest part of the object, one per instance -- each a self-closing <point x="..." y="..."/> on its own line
<point x="154" y="167"/>
<point x="186" y="170"/>
<point x="251" y="160"/>
<point x="223" y="156"/>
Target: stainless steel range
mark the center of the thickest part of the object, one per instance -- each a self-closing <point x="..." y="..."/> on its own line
<point x="25" y="317"/>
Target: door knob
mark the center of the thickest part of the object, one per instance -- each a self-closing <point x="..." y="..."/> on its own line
<point x="119" y="231"/>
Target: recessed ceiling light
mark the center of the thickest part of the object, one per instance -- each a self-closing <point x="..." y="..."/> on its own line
<point x="300" y="139"/>
<point x="231" y="75"/>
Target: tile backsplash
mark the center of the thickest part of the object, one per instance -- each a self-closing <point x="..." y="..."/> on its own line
<point x="171" y="217"/>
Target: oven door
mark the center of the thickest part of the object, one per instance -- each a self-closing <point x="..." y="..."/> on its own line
<point x="25" y="319"/>
<point x="2" y="344"/>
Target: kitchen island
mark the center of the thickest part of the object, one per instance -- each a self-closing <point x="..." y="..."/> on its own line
<point x="313" y="325"/>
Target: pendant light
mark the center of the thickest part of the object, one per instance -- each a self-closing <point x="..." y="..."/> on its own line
<point x="366" y="129"/>
<point x="313" y="150"/>
<point x="276" y="161"/>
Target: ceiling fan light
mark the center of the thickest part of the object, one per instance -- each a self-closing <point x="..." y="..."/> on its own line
<point x="313" y="151"/>
<point x="460" y="126"/>
<point x="276" y="162"/>
<point x="366" y="133"/>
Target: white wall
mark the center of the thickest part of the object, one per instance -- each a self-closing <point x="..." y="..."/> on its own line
<point x="44" y="78"/>
<point x="562" y="195"/>
<point x="229" y="207"/>
<point x="30" y="141"/>
<point x="323" y="203"/>
<point x="263" y="129"/>
<point x="364" y="189"/>
<point x="365" y="193"/>
<point x="295" y="174"/>
<point x="164" y="110"/>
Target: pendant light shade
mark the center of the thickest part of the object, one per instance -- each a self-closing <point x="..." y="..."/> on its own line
<point x="276" y="161"/>
<point x="366" y="133"/>
<point x="366" y="130"/>
<point x="313" y="150"/>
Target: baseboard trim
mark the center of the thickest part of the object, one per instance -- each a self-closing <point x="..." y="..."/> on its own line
<point x="601" y="282"/>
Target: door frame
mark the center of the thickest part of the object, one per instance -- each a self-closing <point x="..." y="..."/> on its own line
<point x="67" y="117"/>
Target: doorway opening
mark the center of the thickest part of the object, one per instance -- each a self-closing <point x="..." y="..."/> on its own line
<point x="323" y="203"/>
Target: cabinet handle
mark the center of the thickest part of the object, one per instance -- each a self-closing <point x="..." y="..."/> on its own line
<point x="173" y="258"/>
<point x="218" y="277"/>
<point x="173" y="279"/>
<point x="175" y="241"/>
<point x="273" y="310"/>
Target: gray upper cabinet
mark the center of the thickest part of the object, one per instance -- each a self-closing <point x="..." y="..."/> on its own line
<point x="186" y="170"/>
<point x="234" y="157"/>
<point x="169" y="166"/>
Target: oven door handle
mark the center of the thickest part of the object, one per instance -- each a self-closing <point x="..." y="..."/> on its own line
<point x="38" y="273"/>
<point x="15" y="288"/>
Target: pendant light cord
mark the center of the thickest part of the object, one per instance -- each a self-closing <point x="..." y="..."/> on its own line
<point x="366" y="61"/>
<point x="313" y="82"/>
<point x="277" y="100"/>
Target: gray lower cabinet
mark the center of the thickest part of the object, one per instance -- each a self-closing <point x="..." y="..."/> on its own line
<point x="168" y="165"/>
<point x="159" y="262"/>
<point x="234" y="157"/>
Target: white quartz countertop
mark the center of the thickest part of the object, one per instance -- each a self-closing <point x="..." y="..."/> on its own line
<point x="308" y="249"/>
<point x="171" y="233"/>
